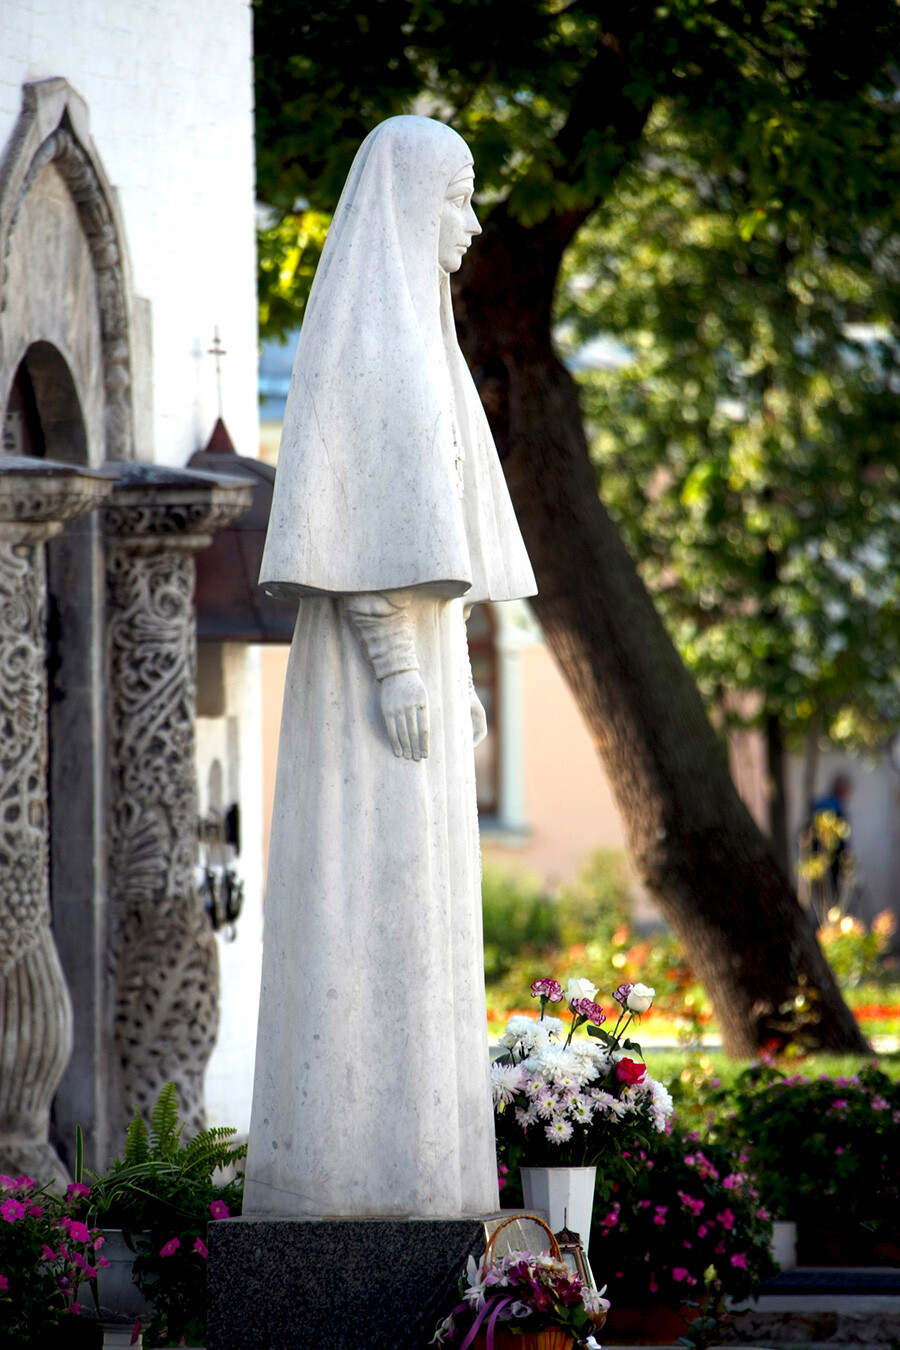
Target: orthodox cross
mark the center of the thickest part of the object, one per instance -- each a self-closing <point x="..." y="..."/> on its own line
<point x="218" y="351"/>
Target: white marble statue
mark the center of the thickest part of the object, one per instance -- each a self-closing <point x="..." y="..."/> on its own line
<point x="390" y="518"/>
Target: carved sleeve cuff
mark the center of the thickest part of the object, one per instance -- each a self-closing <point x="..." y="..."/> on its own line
<point x="382" y="620"/>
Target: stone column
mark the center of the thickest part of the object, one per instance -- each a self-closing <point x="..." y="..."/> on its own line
<point x="36" y="497"/>
<point x="163" y="961"/>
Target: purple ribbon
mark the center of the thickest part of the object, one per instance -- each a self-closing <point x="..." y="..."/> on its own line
<point x="485" y="1308"/>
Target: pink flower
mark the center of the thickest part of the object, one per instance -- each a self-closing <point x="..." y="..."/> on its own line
<point x="547" y="988"/>
<point x="739" y="1260"/>
<point x="695" y="1206"/>
<point x="679" y="1273"/>
<point x="4" y="1283"/>
<point x="136" y="1333"/>
<point x="219" y="1210"/>
<point x="880" y="1103"/>
<point x="25" y="1183"/>
<point x="98" y="1242"/>
<point x="660" y="1216"/>
<point x="35" y="1211"/>
<point x="47" y="1252"/>
<point x="585" y="1007"/>
<point x="102" y="1263"/>
<point x="839" y="1150"/>
<point x="726" y="1218"/>
<point x="762" y="1214"/>
<point x="622" y="993"/>
<point x="733" y="1181"/>
<point x="75" y="1308"/>
<point x="719" y="1249"/>
<point x="6" y="1183"/>
<point x="630" y="1071"/>
<point x="654" y="1287"/>
<point x="12" y="1210"/>
<point x="200" y="1246"/>
<point x="702" y="1230"/>
<point x="79" y="1232"/>
<point x="76" y="1189"/>
<point x="170" y="1248"/>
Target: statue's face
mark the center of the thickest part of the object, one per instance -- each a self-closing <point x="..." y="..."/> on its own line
<point x="458" y="221"/>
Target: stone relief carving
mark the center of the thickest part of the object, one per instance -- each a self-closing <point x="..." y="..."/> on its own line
<point x="74" y="162"/>
<point x="35" y="1008"/>
<point x="163" y="958"/>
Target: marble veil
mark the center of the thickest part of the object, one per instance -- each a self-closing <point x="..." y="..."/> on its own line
<point x="382" y="416"/>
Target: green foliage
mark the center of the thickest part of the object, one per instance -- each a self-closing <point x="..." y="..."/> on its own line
<point x="823" y="1151"/>
<point x="750" y="449"/>
<point x="163" y="1193"/>
<point x="554" y="99"/>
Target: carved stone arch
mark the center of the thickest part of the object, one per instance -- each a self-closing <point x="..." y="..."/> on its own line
<point x="53" y="130"/>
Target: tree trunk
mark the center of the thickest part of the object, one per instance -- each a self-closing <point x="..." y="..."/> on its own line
<point x="692" y="841"/>
<point x="776" y="794"/>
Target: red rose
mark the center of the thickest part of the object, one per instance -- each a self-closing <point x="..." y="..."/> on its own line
<point x="630" y="1071"/>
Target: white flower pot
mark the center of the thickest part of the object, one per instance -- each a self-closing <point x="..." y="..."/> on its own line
<point x="121" y="1302"/>
<point x="784" y="1244"/>
<point x="564" y="1194"/>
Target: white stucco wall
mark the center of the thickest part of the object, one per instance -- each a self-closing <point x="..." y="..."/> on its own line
<point x="169" y="93"/>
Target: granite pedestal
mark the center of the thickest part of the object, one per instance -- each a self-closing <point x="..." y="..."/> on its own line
<point x="295" y="1284"/>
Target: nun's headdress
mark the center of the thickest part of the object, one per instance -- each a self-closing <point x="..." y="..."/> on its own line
<point x="387" y="474"/>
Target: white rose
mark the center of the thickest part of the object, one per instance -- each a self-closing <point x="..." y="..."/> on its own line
<point x="581" y="989"/>
<point x="640" y="998"/>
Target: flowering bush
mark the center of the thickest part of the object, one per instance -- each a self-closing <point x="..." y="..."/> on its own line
<point x="521" y="1292"/>
<point x="824" y="1150"/>
<point x="167" y="1192"/>
<point x="686" y="1225"/>
<point x="564" y="1102"/>
<point x="46" y="1251"/>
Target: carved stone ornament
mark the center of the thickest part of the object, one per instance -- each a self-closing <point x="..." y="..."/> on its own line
<point x="53" y="129"/>
<point x="36" y="497"/>
<point x="163" y="960"/>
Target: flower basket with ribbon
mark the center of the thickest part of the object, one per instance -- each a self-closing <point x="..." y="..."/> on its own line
<point x="521" y="1301"/>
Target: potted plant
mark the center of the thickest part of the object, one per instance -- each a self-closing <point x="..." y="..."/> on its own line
<point x="521" y="1301"/>
<point x="46" y="1250"/>
<point x="561" y="1102"/>
<point x="685" y="1233"/>
<point x="823" y="1152"/>
<point x="159" y="1198"/>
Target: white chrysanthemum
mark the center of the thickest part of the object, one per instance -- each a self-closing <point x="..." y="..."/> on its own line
<point x="506" y="1081"/>
<point x="558" y="1131"/>
<point x="661" y="1107"/>
<point x="526" y="1118"/>
<point x="545" y="1104"/>
<point x="580" y="1109"/>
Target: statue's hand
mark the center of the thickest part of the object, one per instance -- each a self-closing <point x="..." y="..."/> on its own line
<point x="479" y="718"/>
<point x="404" y="706"/>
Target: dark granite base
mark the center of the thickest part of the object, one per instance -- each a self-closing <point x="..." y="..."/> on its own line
<point x="295" y="1284"/>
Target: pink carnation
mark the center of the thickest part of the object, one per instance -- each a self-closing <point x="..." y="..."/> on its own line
<point x="547" y="988"/>
<point x="585" y="1007"/>
<point x="621" y="994"/>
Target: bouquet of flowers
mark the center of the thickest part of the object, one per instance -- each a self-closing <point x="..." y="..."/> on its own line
<point x="559" y="1101"/>
<point x="521" y="1295"/>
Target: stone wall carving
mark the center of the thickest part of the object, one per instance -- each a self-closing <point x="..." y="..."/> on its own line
<point x="163" y="959"/>
<point x="71" y="155"/>
<point x="35" y="1008"/>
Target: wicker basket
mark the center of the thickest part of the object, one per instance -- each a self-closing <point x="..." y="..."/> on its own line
<point x="553" y="1338"/>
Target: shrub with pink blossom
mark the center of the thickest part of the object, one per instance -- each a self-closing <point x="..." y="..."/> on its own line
<point x="686" y="1226"/>
<point x="46" y="1252"/>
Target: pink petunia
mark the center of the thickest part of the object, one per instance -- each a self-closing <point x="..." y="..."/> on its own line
<point x="219" y="1210"/>
<point x="726" y="1218"/>
<point x="136" y="1333"/>
<point x="171" y="1247"/>
<point x="739" y="1260"/>
<point x="35" y="1211"/>
<point x="12" y="1210"/>
<point x="702" y="1230"/>
<point x="679" y="1273"/>
<point x="200" y="1246"/>
<point x="77" y="1189"/>
<point x="79" y="1232"/>
<point x="47" y="1252"/>
<point x="25" y="1183"/>
<point x="4" y="1283"/>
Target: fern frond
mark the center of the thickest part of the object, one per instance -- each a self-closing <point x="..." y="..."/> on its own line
<point x="164" y="1128"/>
<point x="136" y="1147"/>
